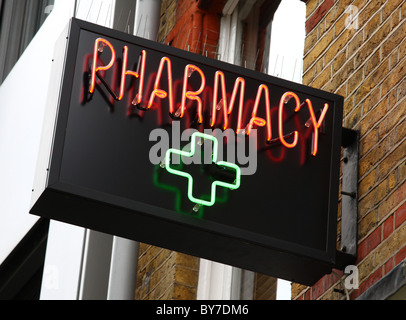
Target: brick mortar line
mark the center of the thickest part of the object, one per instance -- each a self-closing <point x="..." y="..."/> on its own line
<point x="174" y="266"/>
<point x="166" y="290"/>
<point x="362" y="65"/>
<point x="149" y="248"/>
<point x="311" y="13"/>
<point x="379" y="101"/>
<point x="386" y="60"/>
<point x="161" y="280"/>
<point x="323" y="18"/>
<point x="325" y="32"/>
<point x="301" y="292"/>
<point x="328" y="291"/>
<point x="359" y="262"/>
<point x="173" y="285"/>
<point x="382" y="242"/>
<point x="318" y="40"/>
<point x="379" y="223"/>
<point x="381" y="119"/>
<point x="154" y="257"/>
<point x="381" y="139"/>
<point x="382" y="159"/>
<point x="379" y="122"/>
<point x="155" y="270"/>
<point x="336" y="37"/>
<point x="398" y="163"/>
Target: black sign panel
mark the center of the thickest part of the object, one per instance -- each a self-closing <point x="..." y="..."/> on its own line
<point x="170" y="148"/>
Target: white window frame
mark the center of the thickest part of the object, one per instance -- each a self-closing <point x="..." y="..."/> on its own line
<point x="80" y="263"/>
<point x="287" y="47"/>
<point x="21" y="20"/>
<point x="218" y="281"/>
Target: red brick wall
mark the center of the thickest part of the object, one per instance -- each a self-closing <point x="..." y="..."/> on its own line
<point x="368" y="67"/>
<point x="197" y="27"/>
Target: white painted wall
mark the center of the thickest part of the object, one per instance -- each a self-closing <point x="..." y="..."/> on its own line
<point x="83" y="264"/>
<point x="147" y="19"/>
<point x="287" y="41"/>
<point x="96" y="11"/>
<point x="23" y="97"/>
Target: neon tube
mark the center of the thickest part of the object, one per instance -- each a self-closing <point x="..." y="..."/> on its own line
<point x="141" y="65"/>
<point x="316" y="124"/>
<point x="259" y="121"/>
<point x="238" y="81"/>
<point x="220" y="75"/>
<point x="280" y="119"/>
<point x="159" y="92"/>
<point x="181" y="153"/>
<point x="192" y="95"/>
<point x="96" y="68"/>
<point x="125" y="72"/>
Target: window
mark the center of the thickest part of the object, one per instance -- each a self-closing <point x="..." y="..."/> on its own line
<point x="100" y="12"/>
<point x="21" y="19"/>
<point x="267" y="36"/>
<point x="140" y="18"/>
<point x="287" y="41"/>
<point x="19" y="22"/>
<point x="245" y="33"/>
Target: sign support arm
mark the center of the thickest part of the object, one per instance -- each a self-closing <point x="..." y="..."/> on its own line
<point x="349" y="199"/>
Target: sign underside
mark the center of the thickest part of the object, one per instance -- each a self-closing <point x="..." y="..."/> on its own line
<point x="273" y="209"/>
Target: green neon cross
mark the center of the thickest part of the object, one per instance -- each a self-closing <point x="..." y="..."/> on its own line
<point x="215" y="183"/>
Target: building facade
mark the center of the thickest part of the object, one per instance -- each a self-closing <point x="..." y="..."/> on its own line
<point x="356" y="49"/>
<point x="353" y="48"/>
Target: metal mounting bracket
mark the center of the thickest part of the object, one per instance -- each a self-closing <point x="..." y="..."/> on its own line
<point x="349" y="200"/>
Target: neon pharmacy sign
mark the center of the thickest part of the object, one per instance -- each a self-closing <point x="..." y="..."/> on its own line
<point x="219" y="83"/>
<point x="236" y="169"/>
<point x="281" y="220"/>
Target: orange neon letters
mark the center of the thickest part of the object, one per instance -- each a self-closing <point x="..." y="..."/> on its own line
<point x="96" y="68"/>
<point x="228" y="110"/>
<point x="259" y="121"/>
<point x="316" y="124"/>
<point x="219" y="84"/>
<point x="280" y="119"/>
<point x="193" y="95"/>
<point x="141" y="73"/>
<point x="159" y="92"/>
<point x="125" y="72"/>
<point x="239" y="81"/>
<point x="220" y="75"/>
